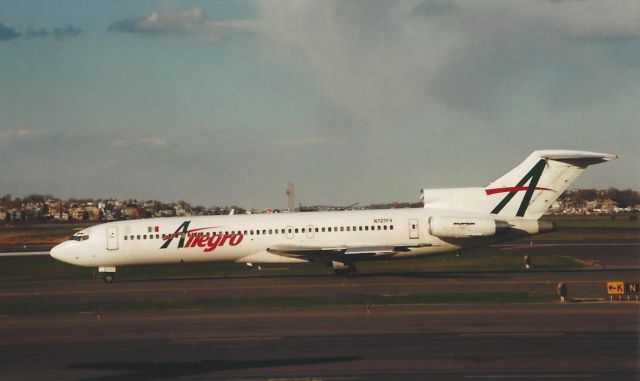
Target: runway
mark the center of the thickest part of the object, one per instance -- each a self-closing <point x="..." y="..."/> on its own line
<point x="450" y="342"/>
<point x="550" y="341"/>
<point x="457" y="342"/>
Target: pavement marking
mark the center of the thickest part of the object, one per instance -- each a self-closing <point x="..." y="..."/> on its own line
<point x="209" y="339"/>
<point x="24" y="253"/>
<point x="542" y="245"/>
<point x="567" y="244"/>
<point x="110" y="290"/>
<point x="559" y="376"/>
<point x="517" y="334"/>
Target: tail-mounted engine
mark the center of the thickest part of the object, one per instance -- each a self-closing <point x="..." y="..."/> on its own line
<point x="464" y="227"/>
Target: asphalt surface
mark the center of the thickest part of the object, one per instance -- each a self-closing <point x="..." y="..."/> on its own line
<point x="593" y="339"/>
<point x="580" y="284"/>
<point x="448" y="342"/>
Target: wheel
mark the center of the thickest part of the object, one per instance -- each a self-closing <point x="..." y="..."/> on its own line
<point x="349" y="271"/>
<point x="108" y="277"/>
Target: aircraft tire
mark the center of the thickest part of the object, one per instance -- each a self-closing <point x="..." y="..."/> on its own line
<point x="349" y="271"/>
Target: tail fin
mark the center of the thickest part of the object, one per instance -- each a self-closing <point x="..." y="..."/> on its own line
<point x="526" y="191"/>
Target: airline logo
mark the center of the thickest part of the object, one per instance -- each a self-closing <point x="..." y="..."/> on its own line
<point x="195" y="239"/>
<point x="533" y="176"/>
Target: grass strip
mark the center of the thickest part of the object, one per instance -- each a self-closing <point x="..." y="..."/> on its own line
<point x="204" y="304"/>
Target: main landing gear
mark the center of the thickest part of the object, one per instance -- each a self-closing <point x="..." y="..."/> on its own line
<point x="108" y="273"/>
<point x="344" y="269"/>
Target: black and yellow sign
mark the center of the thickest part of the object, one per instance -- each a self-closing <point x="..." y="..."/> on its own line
<point x="631" y="288"/>
<point x="621" y="288"/>
<point x="615" y="288"/>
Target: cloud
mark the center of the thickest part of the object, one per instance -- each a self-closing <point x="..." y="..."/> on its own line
<point x="311" y="141"/>
<point x="193" y="22"/>
<point x="595" y="19"/>
<point x="66" y="32"/>
<point x="7" y="33"/>
<point x="17" y="134"/>
<point x="148" y="142"/>
<point x="435" y="7"/>
<point x="59" y="33"/>
<point x="36" y="33"/>
<point x="379" y="63"/>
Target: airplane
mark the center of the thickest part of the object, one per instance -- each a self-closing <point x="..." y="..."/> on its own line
<point x="452" y="220"/>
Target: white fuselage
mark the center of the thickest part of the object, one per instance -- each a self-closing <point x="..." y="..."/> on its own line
<point x="248" y="238"/>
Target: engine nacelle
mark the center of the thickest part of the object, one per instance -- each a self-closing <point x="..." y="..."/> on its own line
<point x="462" y="227"/>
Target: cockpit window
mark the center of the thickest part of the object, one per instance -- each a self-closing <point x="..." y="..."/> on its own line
<point x="79" y="237"/>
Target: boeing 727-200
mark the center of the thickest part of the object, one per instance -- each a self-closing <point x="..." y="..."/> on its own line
<point x="452" y="220"/>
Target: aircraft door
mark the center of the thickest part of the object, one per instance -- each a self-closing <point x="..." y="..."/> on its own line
<point x="309" y="231"/>
<point x="112" y="238"/>
<point x="414" y="229"/>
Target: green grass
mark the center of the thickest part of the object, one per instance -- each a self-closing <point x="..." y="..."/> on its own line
<point x="204" y="304"/>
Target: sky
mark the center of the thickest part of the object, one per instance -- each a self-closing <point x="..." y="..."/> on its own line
<point x="224" y="102"/>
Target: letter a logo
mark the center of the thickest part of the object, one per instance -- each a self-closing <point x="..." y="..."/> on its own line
<point x="180" y="231"/>
<point x="533" y="175"/>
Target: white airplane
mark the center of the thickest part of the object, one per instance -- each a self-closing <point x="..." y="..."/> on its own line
<point x="453" y="220"/>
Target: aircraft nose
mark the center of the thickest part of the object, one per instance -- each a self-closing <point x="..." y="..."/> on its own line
<point x="61" y="252"/>
<point x="55" y="252"/>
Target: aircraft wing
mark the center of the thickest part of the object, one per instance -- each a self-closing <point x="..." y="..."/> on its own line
<point x="317" y="253"/>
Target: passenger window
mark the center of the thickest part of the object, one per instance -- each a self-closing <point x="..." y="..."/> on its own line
<point x="303" y="230"/>
<point x="341" y="228"/>
<point x="384" y="227"/>
<point x="379" y="227"/>
<point x="323" y="229"/>
<point x="264" y="231"/>
<point x="257" y="232"/>
<point x="131" y="237"/>
<point x="270" y="231"/>
<point x="251" y="232"/>
<point x="125" y="237"/>
<point x="137" y="237"/>
<point x="360" y="228"/>
<point x="317" y="230"/>
<point x="390" y="227"/>
<point x="348" y="228"/>
<point x="144" y="236"/>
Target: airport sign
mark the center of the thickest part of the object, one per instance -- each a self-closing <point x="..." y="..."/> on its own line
<point x="615" y="288"/>
<point x="621" y="288"/>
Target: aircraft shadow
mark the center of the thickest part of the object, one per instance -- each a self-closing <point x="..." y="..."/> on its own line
<point x="172" y="369"/>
